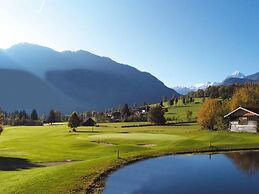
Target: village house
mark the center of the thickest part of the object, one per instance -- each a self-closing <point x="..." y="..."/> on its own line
<point x="88" y="122"/>
<point x="244" y="120"/>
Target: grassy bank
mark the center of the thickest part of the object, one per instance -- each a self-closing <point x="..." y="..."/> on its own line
<point x="85" y="155"/>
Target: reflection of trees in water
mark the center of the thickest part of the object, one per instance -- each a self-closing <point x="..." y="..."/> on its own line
<point x="245" y="161"/>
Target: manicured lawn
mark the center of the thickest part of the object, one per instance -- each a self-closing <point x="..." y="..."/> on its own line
<point x="178" y="112"/>
<point x="93" y="152"/>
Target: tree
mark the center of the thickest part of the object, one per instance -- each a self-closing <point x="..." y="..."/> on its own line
<point x="125" y="111"/>
<point x="176" y="101"/>
<point x="200" y="93"/>
<point x="51" y="118"/>
<point x="247" y="96"/>
<point x="57" y="116"/>
<point x="156" y="115"/>
<point x="171" y="102"/>
<point x="73" y="121"/>
<point x="23" y="115"/>
<point x="161" y="103"/>
<point x="34" y="115"/>
<point x="189" y="115"/>
<point x="209" y="113"/>
<point x="1" y="123"/>
<point x="184" y="100"/>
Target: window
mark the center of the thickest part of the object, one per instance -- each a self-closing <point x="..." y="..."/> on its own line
<point x="243" y="121"/>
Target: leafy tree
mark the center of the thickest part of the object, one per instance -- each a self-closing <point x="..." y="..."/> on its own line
<point x="51" y="117"/>
<point x="156" y="115"/>
<point x="247" y="96"/>
<point x="73" y="121"/>
<point x="34" y="115"/>
<point x="207" y="116"/>
<point x="200" y="93"/>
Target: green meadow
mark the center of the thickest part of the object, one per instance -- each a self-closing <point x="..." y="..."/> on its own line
<point x="56" y="161"/>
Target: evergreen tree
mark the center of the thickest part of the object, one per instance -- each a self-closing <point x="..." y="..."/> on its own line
<point x="176" y="101"/>
<point x="73" y="121"/>
<point x="161" y="103"/>
<point x="125" y="111"/>
<point x="34" y="115"/>
<point x="183" y="100"/>
<point x="57" y="116"/>
<point x="51" y="118"/>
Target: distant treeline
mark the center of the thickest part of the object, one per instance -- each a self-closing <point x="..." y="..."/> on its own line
<point x="18" y="118"/>
<point x="222" y="91"/>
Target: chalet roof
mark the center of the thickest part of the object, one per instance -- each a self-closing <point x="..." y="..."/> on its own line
<point x="254" y="111"/>
<point x="87" y="119"/>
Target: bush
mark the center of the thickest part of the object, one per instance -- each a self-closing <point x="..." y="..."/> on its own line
<point x="25" y="122"/>
<point x="156" y="115"/>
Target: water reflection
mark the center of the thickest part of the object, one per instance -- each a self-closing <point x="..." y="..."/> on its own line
<point x="248" y="162"/>
<point x="230" y="173"/>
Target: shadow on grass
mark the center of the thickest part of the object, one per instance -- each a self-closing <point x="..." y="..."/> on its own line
<point x="181" y="124"/>
<point x="13" y="164"/>
<point x="88" y="131"/>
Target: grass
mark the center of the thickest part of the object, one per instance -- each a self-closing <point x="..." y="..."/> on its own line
<point x="95" y="152"/>
<point x="178" y="112"/>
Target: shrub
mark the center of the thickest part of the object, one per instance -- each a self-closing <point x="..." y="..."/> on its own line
<point x="156" y="115"/>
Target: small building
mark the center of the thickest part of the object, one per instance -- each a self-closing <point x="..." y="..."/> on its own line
<point x="244" y="120"/>
<point x="88" y="122"/>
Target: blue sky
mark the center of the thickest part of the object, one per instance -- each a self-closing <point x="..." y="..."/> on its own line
<point x="181" y="42"/>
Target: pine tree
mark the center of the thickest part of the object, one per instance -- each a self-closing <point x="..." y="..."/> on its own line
<point x="176" y="101"/>
<point x="125" y="111"/>
<point x="73" y="121"/>
<point x="34" y="115"/>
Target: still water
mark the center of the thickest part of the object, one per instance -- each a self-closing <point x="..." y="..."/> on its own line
<point x="235" y="172"/>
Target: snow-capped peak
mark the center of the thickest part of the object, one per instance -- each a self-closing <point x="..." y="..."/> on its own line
<point x="184" y="90"/>
<point x="237" y="74"/>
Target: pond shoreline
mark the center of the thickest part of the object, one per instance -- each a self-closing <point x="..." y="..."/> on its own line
<point x="98" y="184"/>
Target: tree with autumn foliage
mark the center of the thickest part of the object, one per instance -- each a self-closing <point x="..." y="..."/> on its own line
<point x="246" y="96"/>
<point x="209" y="114"/>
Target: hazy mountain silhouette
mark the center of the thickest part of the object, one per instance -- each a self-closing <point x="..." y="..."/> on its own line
<point x="22" y="90"/>
<point x="71" y="80"/>
<point x="231" y="80"/>
<point x="254" y="77"/>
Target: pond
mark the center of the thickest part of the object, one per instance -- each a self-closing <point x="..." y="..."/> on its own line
<point x="233" y="172"/>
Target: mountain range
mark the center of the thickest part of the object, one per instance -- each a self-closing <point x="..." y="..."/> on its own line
<point x="33" y="76"/>
<point x="235" y="78"/>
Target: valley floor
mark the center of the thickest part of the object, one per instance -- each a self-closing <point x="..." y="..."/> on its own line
<point x="49" y="159"/>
